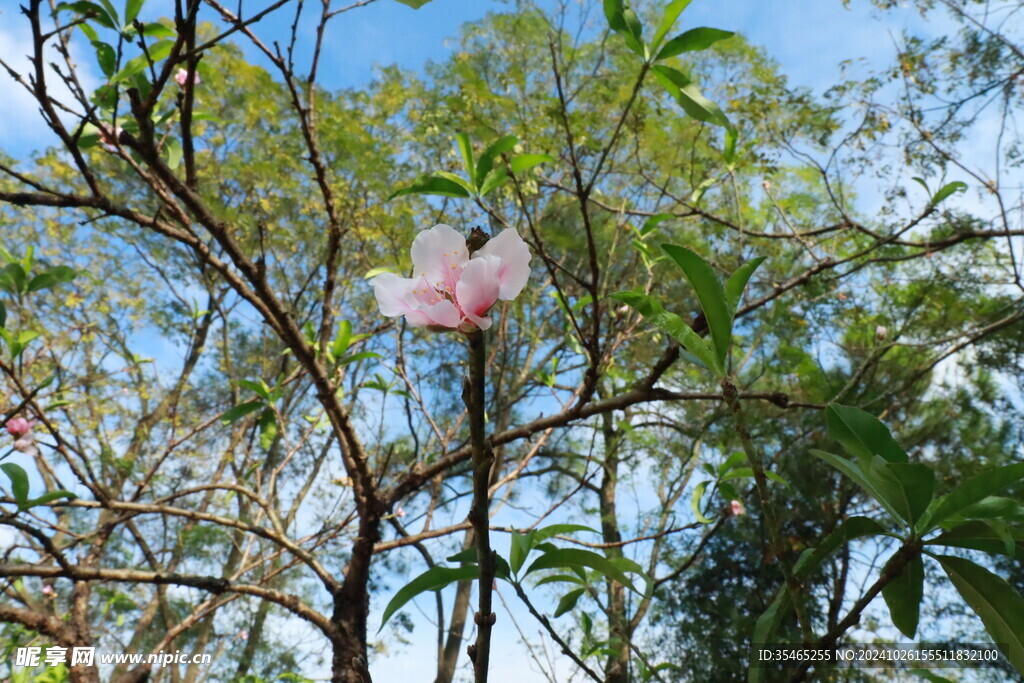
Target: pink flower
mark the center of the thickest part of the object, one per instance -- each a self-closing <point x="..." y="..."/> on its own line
<point x="109" y="136"/>
<point x="400" y="512"/>
<point x="24" y="439"/>
<point x="182" y="77"/>
<point x="48" y="590"/>
<point x="18" y="427"/>
<point x="453" y="289"/>
<point x="736" y="508"/>
<point x="243" y="635"/>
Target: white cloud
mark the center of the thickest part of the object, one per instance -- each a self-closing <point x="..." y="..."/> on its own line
<point x="22" y="128"/>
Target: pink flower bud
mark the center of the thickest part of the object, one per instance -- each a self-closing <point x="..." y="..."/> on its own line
<point x="243" y="635"/>
<point x="182" y="77"/>
<point x="18" y="427"/>
<point x="48" y="590"/>
<point x="881" y="332"/>
<point x="736" y="508"/>
<point x="400" y="512"/>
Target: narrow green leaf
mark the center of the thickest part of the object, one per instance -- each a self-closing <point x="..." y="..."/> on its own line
<point x="48" y="498"/>
<point x="538" y="536"/>
<point x="710" y="293"/>
<point x="668" y="19"/>
<point x="765" y="627"/>
<point x="903" y="596"/>
<point x="688" y="96"/>
<point x="486" y="161"/>
<point x="695" y="499"/>
<point x="568" y="601"/>
<point x="131" y="10"/>
<point x="973" y="490"/>
<point x="862" y="434"/>
<point x="980" y="535"/>
<point x="737" y="282"/>
<point x="854" y="472"/>
<point x="19" y="481"/>
<point x="91" y="10"/>
<point x="699" y="349"/>
<point x="433" y="579"/>
<point x="173" y="153"/>
<point x="945" y="191"/>
<point x="577" y="557"/>
<point x="519" y="549"/>
<point x="651" y="223"/>
<point x="848" y="530"/>
<point x="241" y="410"/>
<point x="693" y="40"/>
<point x="458" y="180"/>
<point x="342" y="341"/>
<point x="433" y="185"/>
<point x="258" y="388"/>
<point x="415" y="4"/>
<point x="494" y="181"/>
<point x="466" y="149"/>
<point x="524" y="162"/>
<point x="268" y="428"/>
<point x="999" y="605"/>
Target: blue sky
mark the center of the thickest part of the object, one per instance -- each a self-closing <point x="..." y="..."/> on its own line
<point x="809" y="39"/>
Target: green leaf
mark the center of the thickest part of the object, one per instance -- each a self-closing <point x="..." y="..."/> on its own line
<point x="538" y="536"/>
<point x="699" y="350"/>
<point x="651" y="223"/>
<point x="914" y="485"/>
<point x="929" y="676"/>
<point x="613" y="13"/>
<point x="19" y="481"/>
<point x="362" y="355"/>
<point x="577" y="557"/>
<point x="945" y="191"/>
<point x="173" y="152"/>
<point x="854" y="472"/>
<point x="562" y="578"/>
<point x="765" y="627"/>
<point x="848" y="530"/>
<point x="458" y="180"/>
<point x="688" y="96"/>
<point x="999" y="605"/>
<point x="519" y="548"/>
<point x="568" y="601"/>
<point x="241" y="410"/>
<point x="342" y="341"/>
<point x="156" y="52"/>
<point x="980" y="535"/>
<point x="13" y="278"/>
<point x="268" y="428"/>
<point x="3" y="315"/>
<point x="668" y="19"/>
<point x="105" y="57"/>
<point x="712" y="297"/>
<point x="698" y="494"/>
<point x="415" y="4"/>
<point x="258" y="388"/>
<point x="737" y="282"/>
<point x="48" y="498"/>
<point x="493" y="181"/>
<point x="862" y="434"/>
<point x="525" y="162"/>
<point x="693" y="40"/>
<point x="91" y="10"/>
<point x="903" y="596"/>
<point x="432" y="185"/>
<point x="494" y="150"/>
<point x="466" y="150"/>
<point x="433" y="579"/>
<point x="969" y="492"/>
<point x="51" y="278"/>
<point x="156" y="30"/>
<point x="131" y="10"/>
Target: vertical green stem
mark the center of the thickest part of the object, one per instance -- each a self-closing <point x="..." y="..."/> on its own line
<point x="771" y="517"/>
<point x="479" y="517"/>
